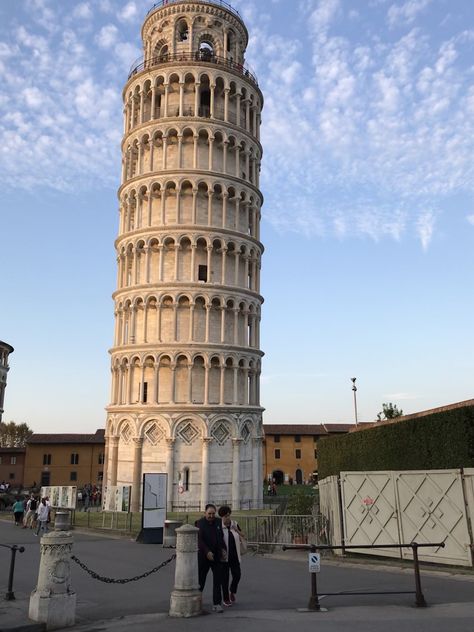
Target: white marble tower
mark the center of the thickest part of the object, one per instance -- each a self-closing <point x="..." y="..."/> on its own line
<point x="186" y="359"/>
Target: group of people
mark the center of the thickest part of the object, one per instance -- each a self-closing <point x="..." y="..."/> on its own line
<point x="220" y="545"/>
<point x="90" y="496"/>
<point x="32" y="513"/>
<point x="4" y="487"/>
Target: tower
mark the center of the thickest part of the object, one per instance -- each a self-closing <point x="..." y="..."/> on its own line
<point x="5" y="350"/>
<point x="186" y="358"/>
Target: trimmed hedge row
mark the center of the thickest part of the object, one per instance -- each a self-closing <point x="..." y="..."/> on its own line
<point x="443" y="440"/>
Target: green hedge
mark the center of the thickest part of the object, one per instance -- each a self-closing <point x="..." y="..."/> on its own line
<point x="439" y="441"/>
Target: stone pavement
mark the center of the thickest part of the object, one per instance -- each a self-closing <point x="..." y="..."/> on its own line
<point x="271" y="591"/>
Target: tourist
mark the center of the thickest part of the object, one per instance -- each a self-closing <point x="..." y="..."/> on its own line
<point x="18" y="511"/>
<point x="211" y="552"/>
<point x="43" y="516"/>
<point x="232" y="535"/>
<point x="31" y="507"/>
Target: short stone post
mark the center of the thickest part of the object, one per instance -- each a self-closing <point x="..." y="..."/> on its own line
<point x="186" y="598"/>
<point x="53" y="601"/>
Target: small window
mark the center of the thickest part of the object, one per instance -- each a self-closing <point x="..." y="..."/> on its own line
<point x="315" y="438"/>
<point x="277" y="454"/>
<point x="206" y="50"/>
<point x="202" y="273"/>
<point x="315" y="454"/>
<point x="46" y="459"/>
<point x="145" y="392"/>
<point x="101" y="458"/>
<point x="186" y="479"/>
<point x="100" y="476"/>
<point x="276" y="439"/>
<point x="0" y="460"/>
<point x="183" y="31"/>
<point x="298" y="454"/>
<point x="12" y="476"/>
<point x="73" y="476"/>
<point x="297" y="438"/>
<point x="74" y="459"/>
<point x="13" y="460"/>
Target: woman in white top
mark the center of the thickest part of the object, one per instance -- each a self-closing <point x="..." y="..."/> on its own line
<point x="231" y="565"/>
<point x="43" y="516"/>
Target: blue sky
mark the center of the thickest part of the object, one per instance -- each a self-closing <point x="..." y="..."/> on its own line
<point x="368" y="221"/>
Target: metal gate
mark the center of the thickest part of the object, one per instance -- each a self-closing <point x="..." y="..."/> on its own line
<point x="393" y="507"/>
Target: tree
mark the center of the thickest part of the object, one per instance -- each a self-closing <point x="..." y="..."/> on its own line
<point x="389" y="411"/>
<point x="14" y="435"/>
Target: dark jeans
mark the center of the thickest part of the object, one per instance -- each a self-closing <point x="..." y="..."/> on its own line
<point x="234" y="568"/>
<point x="216" y="567"/>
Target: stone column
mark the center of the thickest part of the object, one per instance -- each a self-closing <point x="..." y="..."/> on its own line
<point x="114" y="445"/>
<point x="170" y="471"/>
<point x="205" y="472"/>
<point x="53" y="601"/>
<point x="181" y="97"/>
<point x="256" y="470"/>
<point x="186" y="598"/>
<point x="236" y="474"/>
<point x="153" y="103"/>
<point x="137" y="473"/>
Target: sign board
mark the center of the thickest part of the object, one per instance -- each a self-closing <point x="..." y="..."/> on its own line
<point x="154" y="501"/>
<point x="314" y="560"/>
<point x="117" y="498"/>
<point x="60" y="496"/>
<point x="153" y="508"/>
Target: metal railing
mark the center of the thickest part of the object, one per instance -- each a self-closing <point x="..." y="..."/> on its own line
<point x="219" y="3"/>
<point x="10" y="595"/>
<point x="420" y="602"/>
<point x="198" y="56"/>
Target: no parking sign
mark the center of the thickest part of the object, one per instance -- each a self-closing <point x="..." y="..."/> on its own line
<point x="314" y="560"/>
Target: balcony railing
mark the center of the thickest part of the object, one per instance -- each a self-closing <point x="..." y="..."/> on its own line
<point x="220" y="3"/>
<point x="198" y="56"/>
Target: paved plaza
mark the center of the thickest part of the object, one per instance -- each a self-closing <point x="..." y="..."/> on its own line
<point x="271" y="591"/>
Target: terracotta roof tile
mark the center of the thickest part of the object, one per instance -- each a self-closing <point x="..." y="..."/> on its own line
<point x="306" y="429"/>
<point x="98" y="437"/>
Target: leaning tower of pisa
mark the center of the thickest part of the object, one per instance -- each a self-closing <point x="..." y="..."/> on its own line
<point x="186" y="357"/>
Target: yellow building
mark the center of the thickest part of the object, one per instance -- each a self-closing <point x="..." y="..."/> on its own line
<point x="65" y="459"/>
<point x="291" y="451"/>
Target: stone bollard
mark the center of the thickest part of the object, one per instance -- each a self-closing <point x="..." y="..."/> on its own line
<point x="62" y="521"/>
<point x="169" y="536"/>
<point x="53" y="601"/>
<point x="186" y="598"/>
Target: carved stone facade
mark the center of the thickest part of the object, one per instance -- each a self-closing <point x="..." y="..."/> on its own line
<point x="186" y="359"/>
<point x="5" y="350"/>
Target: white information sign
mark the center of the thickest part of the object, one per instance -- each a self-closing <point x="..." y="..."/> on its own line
<point x="117" y="498"/>
<point x="314" y="560"/>
<point x="154" y="501"/>
<point x="60" y="496"/>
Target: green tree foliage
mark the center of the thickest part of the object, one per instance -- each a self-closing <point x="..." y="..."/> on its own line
<point x="441" y="440"/>
<point x="389" y="411"/>
<point x="14" y="435"/>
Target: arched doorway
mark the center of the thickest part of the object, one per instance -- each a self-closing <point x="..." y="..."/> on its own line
<point x="299" y="477"/>
<point x="279" y="477"/>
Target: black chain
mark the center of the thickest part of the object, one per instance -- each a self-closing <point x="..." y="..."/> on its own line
<point x="110" y="580"/>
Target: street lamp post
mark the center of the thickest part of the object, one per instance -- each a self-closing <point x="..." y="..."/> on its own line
<point x="354" y="390"/>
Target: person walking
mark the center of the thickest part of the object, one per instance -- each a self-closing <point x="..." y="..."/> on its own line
<point x="43" y="516"/>
<point x="211" y="552"/>
<point x="31" y="507"/>
<point x="232" y="535"/>
<point x="18" y="511"/>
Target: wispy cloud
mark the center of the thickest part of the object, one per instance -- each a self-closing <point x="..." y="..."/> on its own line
<point x="364" y="134"/>
<point x="407" y="12"/>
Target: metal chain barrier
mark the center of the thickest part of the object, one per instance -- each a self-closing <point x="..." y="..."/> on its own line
<point x="110" y="580"/>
